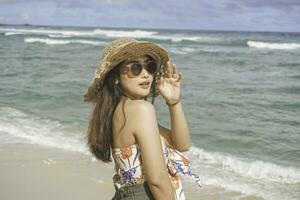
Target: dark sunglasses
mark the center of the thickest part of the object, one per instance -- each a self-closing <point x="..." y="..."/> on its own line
<point x="135" y="68"/>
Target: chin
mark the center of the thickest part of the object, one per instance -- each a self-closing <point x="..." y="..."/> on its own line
<point x="143" y="92"/>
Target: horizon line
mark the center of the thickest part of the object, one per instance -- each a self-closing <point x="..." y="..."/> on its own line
<point x="147" y="28"/>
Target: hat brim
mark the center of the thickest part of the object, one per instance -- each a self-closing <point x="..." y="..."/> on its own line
<point x="130" y="51"/>
<point x="138" y="49"/>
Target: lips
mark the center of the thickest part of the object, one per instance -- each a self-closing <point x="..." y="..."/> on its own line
<point x="145" y="83"/>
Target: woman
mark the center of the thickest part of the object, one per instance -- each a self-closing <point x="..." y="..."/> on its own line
<point x="123" y="124"/>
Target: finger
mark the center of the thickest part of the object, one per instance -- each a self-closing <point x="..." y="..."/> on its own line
<point x="169" y="70"/>
<point x="174" y="69"/>
<point x="180" y="77"/>
<point x="175" y="76"/>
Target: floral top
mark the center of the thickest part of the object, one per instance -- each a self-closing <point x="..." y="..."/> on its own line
<point x="128" y="167"/>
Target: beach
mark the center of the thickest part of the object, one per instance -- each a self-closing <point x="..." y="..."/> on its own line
<point x="37" y="172"/>
<point x="240" y="93"/>
<point x="33" y="172"/>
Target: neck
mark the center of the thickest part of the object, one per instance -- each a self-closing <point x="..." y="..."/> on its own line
<point x="130" y="96"/>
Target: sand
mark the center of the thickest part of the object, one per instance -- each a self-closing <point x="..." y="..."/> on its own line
<point x="30" y="172"/>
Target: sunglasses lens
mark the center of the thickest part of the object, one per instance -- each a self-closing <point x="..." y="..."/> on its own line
<point x="136" y="69"/>
<point x="152" y="67"/>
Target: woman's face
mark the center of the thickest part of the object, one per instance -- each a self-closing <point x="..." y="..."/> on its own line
<point x="132" y="85"/>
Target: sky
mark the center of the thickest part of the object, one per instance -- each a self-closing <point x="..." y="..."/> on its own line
<point x="239" y="15"/>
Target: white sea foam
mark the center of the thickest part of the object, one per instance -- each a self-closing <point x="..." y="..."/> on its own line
<point x="108" y="33"/>
<point x="144" y="34"/>
<point x="178" y="38"/>
<point x="121" y="33"/>
<point x="49" y="31"/>
<point x="58" y="36"/>
<point x="183" y="50"/>
<point x="51" y="133"/>
<point x="263" y="179"/>
<point x="261" y="189"/>
<point x="55" y="41"/>
<point x="251" y="169"/>
<point x="147" y="35"/>
<point x="268" y="45"/>
<point x="95" y="32"/>
<point x="14" y="33"/>
<point x="34" y="130"/>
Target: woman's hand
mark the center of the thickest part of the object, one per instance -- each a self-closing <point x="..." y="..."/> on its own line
<point x="169" y="85"/>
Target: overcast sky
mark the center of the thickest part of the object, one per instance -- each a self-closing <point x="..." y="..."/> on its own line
<point x="253" y="15"/>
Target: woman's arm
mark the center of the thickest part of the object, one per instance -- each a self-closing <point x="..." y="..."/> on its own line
<point x="147" y="135"/>
<point x="179" y="128"/>
<point x="178" y="137"/>
<point x="169" y="88"/>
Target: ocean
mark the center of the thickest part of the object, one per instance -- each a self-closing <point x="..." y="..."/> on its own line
<point x="240" y="93"/>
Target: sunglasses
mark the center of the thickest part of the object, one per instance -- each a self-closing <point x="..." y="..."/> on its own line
<point x="134" y="68"/>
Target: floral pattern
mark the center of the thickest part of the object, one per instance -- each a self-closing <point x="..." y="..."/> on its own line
<point x="128" y="167"/>
<point x="126" y="153"/>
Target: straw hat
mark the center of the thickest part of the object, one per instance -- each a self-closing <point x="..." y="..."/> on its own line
<point x="120" y="50"/>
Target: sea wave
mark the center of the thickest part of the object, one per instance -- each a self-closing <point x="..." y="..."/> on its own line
<point x="58" y="36"/>
<point x="122" y="33"/>
<point x="14" y="33"/>
<point x="53" y="133"/>
<point x="267" y="180"/>
<point x="262" y="179"/>
<point x="269" y="45"/>
<point x="59" y="42"/>
<point x="182" y="51"/>
<point x="71" y="33"/>
<point x="34" y="130"/>
<point x="41" y="131"/>
<point x="179" y="38"/>
<point x="258" y="170"/>
<point x="109" y="33"/>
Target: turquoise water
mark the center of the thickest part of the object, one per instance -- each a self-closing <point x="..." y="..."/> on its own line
<point x="240" y="91"/>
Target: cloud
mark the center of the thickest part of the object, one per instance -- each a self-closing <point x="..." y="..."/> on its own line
<point x="273" y="15"/>
<point x="80" y="4"/>
<point x="270" y="3"/>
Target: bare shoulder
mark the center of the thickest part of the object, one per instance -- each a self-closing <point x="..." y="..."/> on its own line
<point x="140" y="106"/>
<point x="143" y="116"/>
<point x="141" y="111"/>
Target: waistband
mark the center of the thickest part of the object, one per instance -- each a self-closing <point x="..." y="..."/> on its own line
<point x="134" y="191"/>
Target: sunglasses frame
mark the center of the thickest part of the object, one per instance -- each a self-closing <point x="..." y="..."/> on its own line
<point x="128" y="65"/>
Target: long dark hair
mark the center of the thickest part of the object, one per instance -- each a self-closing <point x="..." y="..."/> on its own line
<point x="100" y="131"/>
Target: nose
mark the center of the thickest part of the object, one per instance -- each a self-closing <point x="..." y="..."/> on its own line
<point x="144" y="73"/>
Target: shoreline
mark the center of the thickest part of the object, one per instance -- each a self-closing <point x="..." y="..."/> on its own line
<point x="30" y="171"/>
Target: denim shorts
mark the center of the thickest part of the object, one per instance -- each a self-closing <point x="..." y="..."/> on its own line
<point x="136" y="191"/>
